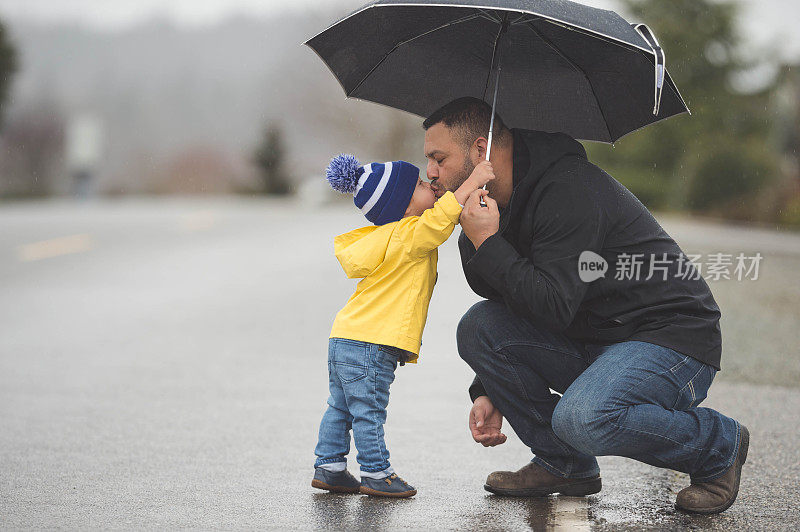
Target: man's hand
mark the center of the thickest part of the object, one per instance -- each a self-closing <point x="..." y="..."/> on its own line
<point x="477" y="221"/>
<point x="485" y="422"/>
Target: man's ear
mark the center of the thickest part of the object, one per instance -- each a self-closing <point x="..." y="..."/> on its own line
<point x="478" y="150"/>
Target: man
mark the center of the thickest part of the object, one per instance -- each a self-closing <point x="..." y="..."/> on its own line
<point x="586" y="295"/>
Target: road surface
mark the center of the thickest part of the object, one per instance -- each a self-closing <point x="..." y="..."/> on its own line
<point x="162" y="365"/>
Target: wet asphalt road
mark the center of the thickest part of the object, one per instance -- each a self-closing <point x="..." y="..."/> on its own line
<point x="162" y="365"/>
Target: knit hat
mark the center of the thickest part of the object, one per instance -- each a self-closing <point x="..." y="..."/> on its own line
<point x="381" y="190"/>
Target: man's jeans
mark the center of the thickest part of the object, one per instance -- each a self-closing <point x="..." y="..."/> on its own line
<point x="359" y="375"/>
<point x="632" y="399"/>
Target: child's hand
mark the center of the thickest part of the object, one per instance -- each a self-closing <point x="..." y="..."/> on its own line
<point x="482" y="174"/>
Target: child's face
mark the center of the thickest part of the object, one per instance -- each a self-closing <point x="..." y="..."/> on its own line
<point x="422" y="199"/>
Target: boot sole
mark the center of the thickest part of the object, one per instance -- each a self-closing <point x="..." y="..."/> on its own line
<point x="744" y="446"/>
<point x="335" y="489"/>
<point x="397" y="495"/>
<point x="573" y="489"/>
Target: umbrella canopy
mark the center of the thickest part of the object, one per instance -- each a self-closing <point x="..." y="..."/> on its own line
<point x="564" y="66"/>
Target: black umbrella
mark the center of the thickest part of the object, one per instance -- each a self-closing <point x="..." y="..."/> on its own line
<point x="565" y="66"/>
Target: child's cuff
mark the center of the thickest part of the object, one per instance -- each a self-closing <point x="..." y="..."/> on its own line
<point x="450" y="206"/>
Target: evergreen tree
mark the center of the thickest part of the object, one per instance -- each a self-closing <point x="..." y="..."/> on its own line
<point x="717" y="159"/>
<point x="8" y="65"/>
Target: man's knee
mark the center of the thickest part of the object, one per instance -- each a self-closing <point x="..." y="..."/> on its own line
<point x="568" y="422"/>
<point x="583" y="424"/>
<point x="469" y="333"/>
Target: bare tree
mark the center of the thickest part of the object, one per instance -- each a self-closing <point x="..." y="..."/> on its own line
<point x="31" y="154"/>
<point x="270" y="159"/>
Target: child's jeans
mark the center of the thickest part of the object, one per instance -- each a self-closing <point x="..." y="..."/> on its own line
<point x="359" y="375"/>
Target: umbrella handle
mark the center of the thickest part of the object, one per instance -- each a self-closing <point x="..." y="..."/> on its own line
<point x="659" y="63"/>
<point x="491" y="124"/>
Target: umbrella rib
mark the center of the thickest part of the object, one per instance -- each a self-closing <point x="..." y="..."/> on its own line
<point x="579" y="69"/>
<point x="488" y="16"/>
<point x="524" y="19"/>
<point x="491" y="63"/>
<point x="398" y="45"/>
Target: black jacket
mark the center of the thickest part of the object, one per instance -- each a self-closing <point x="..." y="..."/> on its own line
<point x="562" y="205"/>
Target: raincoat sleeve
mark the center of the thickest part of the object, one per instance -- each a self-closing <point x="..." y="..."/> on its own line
<point x="544" y="287"/>
<point x="434" y="226"/>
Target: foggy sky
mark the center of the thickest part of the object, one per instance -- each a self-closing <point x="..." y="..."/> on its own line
<point x="214" y="76"/>
<point x="765" y="22"/>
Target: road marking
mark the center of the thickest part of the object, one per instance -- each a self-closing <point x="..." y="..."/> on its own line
<point x="55" y="247"/>
<point x="562" y="513"/>
<point x="571" y="513"/>
<point x="197" y="221"/>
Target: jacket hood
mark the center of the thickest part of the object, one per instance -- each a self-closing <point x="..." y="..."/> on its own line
<point x="362" y="250"/>
<point x="536" y="151"/>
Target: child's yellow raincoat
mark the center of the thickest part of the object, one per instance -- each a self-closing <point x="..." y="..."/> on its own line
<point x="398" y="264"/>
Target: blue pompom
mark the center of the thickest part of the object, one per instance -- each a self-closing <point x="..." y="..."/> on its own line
<point x="343" y="173"/>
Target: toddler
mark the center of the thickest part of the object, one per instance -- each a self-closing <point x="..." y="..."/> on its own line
<point x="381" y="324"/>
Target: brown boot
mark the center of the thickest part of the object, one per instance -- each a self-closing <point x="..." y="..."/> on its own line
<point x="716" y="495"/>
<point x="535" y="481"/>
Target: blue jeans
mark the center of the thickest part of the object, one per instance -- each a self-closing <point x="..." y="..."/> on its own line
<point x="359" y="376"/>
<point x="632" y="399"/>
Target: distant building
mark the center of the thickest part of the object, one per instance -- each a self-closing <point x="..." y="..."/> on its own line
<point x="83" y="151"/>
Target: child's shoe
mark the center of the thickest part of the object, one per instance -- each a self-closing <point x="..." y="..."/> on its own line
<point x="337" y="482"/>
<point x="391" y="486"/>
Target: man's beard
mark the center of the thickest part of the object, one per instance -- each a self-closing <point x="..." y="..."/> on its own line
<point x="458" y="179"/>
<point x="462" y="176"/>
<point x="468" y="169"/>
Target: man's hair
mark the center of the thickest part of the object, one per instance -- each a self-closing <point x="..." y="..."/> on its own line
<point x="468" y="118"/>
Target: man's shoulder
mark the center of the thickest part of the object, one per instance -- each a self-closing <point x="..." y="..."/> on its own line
<point x="576" y="175"/>
<point x="573" y="188"/>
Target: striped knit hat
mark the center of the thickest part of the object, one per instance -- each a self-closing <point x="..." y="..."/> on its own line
<point x="381" y="190"/>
